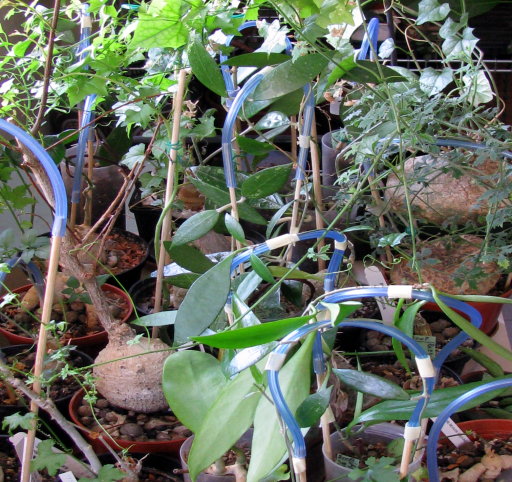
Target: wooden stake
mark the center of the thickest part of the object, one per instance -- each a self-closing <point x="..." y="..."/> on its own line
<point x="40" y="352"/>
<point x="163" y="258"/>
<point x="90" y="175"/>
<point x="317" y="189"/>
<point x="324" y="423"/>
<point x="406" y="457"/>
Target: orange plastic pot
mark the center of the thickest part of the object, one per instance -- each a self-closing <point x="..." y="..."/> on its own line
<point x="489" y="311"/>
<point x="157" y="446"/>
<point x="94" y="339"/>
<point x="488" y="428"/>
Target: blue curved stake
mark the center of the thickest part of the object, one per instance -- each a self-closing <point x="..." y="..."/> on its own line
<point x="371" y="37"/>
<point x="351" y="294"/>
<point x="455" y="405"/>
<point x="87" y="115"/>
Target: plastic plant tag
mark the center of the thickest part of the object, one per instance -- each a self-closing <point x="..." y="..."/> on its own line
<point x="67" y="477"/>
<point x="375" y="278"/>
<point x="347" y="462"/>
<point x="428" y="343"/>
<point x="454" y="434"/>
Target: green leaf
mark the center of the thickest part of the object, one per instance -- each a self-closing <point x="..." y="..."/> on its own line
<point x="432" y="81"/>
<point x="339" y="311"/>
<point x="432" y="11"/>
<point x="160" y="27"/>
<point x="205" y="68"/>
<point x="234" y="228"/>
<point x="229" y="418"/>
<point x="262" y="270"/>
<point x="363" y="71"/>
<point x="189" y="257"/>
<point x="195" y="227"/>
<point x="266" y="182"/>
<point x="203" y="301"/>
<point x="243" y="314"/>
<point x="252" y="146"/>
<point x="494" y="368"/>
<point x="471" y="330"/>
<point x="276" y="217"/>
<point x="17" y="420"/>
<point x="192" y="381"/>
<point x="256" y="59"/>
<point x="183" y="280"/>
<point x="406" y="325"/>
<point x="371" y="384"/>
<point x="107" y="473"/>
<point x="162" y="318"/>
<point x="134" y="156"/>
<point x="220" y="197"/>
<point x="402" y="410"/>
<point x="290" y="76"/>
<point x="313" y="407"/>
<point x="254" y="335"/>
<point x="268" y="445"/>
<point x="281" y="272"/>
<point x="460" y="47"/>
<point x="47" y="458"/>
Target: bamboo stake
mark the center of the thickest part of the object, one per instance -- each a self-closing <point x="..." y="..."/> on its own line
<point x="28" y="449"/>
<point x="324" y="422"/>
<point x="317" y="189"/>
<point x="293" y="130"/>
<point x="406" y="457"/>
<point x="171" y="173"/>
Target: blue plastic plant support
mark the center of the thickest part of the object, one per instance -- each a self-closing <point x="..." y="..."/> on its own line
<point x="87" y="116"/>
<point x="370" y="39"/>
<point x="365" y="292"/>
<point x="33" y="271"/>
<point x="455" y="405"/>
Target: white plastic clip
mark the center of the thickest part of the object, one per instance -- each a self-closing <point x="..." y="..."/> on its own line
<point x="280" y="241"/>
<point x="304" y="141"/>
<point x="412" y="433"/>
<point x="275" y="361"/>
<point x="86" y="21"/>
<point x="425" y="367"/>
<point x="299" y="465"/>
<point x="400" y="291"/>
<point x="341" y="245"/>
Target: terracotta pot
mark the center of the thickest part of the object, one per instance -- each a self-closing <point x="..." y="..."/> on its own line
<point x="382" y="432"/>
<point x="489" y="311"/>
<point x="94" y="339"/>
<point x="488" y="428"/>
<point x="156" y="446"/>
<point x="245" y="440"/>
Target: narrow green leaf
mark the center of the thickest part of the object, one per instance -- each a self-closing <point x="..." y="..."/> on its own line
<point x="162" y="318"/>
<point x="281" y="272"/>
<point x="192" y="380"/>
<point x="402" y="409"/>
<point x="471" y="330"/>
<point x="276" y="217"/>
<point x="205" y="68"/>
<point x="189" y="257"/>
<point x="371" y="384"/>
<point x="494" y="368"/>
<point x="268" y="445"/>
<point x="203" y="301"/>
<point x="405" y="324"/>
<point x="266" y="182"/>
<point x="256" y="59"/>
<point x="262" y="270"/>
<point x="254" y="335"/>
<point x="229" y="418"/>
<point x="234" y="228"/>
<point x="243" y="313"/>
<point x="313" y="407"/>
<point x="195" y="227"/>
<point x="290" y="76"/>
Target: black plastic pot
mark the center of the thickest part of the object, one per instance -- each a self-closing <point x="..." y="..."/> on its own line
<point x="146" y="217"/>
<point x="142" y="289"/>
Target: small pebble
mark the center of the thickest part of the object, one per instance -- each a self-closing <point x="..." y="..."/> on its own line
<point x="450" y="332"/>
<point x="77" y="306"/>
<point x="85" y="410"/>
<point x="131" y="429"/>
<point x="102" y="403"/>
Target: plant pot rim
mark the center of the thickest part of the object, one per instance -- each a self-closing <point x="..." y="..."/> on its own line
<point x="153" y="446"/>
<point x="91" y="339"/>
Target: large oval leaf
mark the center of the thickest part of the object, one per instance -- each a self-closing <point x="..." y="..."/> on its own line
<point x="192" y="381"/>
<point x="289" y="76"/>
<point x="195" y="227"/>
<point x="163" y="318"/>
<point x="234" y="228"/>
<point x="311" y="409"/>
<point x="371" y="384"/>
<point x="205" y="68"/>
<point x="266" y="182"/>
<point x="261" y="268"/>
<point x="188" y="257"/>
<point x="203" y="301"/>
<point x="254" y="335"/>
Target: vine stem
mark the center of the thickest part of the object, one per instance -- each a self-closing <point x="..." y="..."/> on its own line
<point x="169" y="191"/>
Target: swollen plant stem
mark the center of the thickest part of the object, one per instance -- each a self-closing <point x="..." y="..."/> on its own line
<point x="28" y="449"/>
<point x="170" y="188"/>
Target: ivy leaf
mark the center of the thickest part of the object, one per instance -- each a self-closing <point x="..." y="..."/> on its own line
<point x="195" y="227"/>
<point x="432" y="11"/>
<point x="11" y="422"/>
<point x="433" y="81"/>
<point x="457" y="47"/>
<point x="47" y="458"/>
<point x="205" y="68"/>
<point x="134" y="156"/>
<point x="477" y="88"/>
